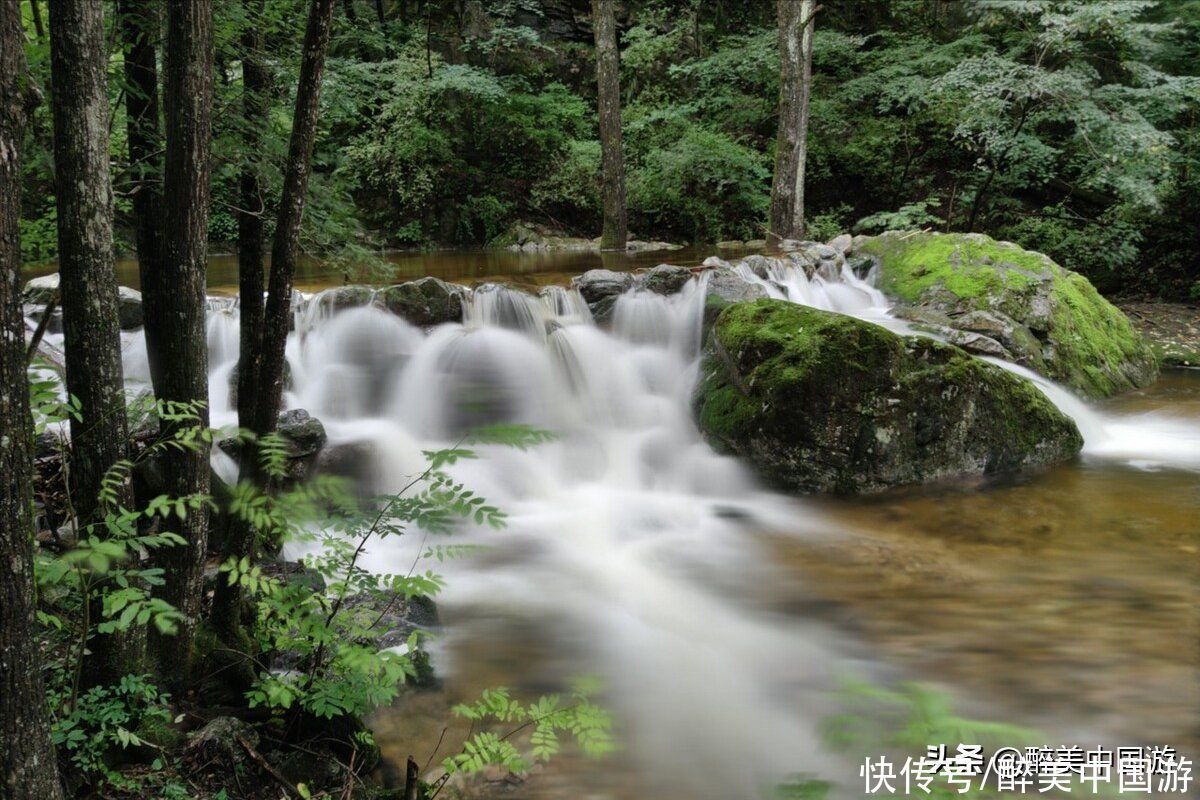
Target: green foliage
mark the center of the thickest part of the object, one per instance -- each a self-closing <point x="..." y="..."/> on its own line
<point x="538" y="724"/>
<point x="107" y="718"/>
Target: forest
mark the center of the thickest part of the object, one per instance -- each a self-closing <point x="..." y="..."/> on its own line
<point x="595" y="398"/>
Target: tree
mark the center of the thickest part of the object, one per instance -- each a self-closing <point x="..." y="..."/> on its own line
<point x="175" y="304"/>
<point x="795" y="22"/>
<point x="139" y="22"/>
<point x="612" y="160"/>
<point x="255" y="84"/>
<point x="264" y="332"/>
<point x="26" y="752"/>
<point x="88" y="285"/>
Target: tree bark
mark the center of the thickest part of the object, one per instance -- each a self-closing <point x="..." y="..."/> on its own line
<point x="26" y="752"/>
<point x="351" y="14"/>
<point x="227" y="601"/>
<point x="175" y="305"/>
<point x="615" y="230"/>
<point x="88" y="290"/>
<point x="139" y="24"/>
<point x="286" y="245"/>
<point x="796" y="22"/>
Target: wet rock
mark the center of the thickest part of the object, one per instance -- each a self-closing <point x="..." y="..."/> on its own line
<point x="597" y="284"/>
<point x="425" y="302"/>
<point x="726" y="287"/>
<point x="978" y="344"/>
<point x="354" y="461"/>
<point x="843" y="244"/>
<point x="305" y="433"/>
<point x="40" y="291"/>
<point x="756" y="244"/>
<point x="341" y="298"/>
<point x="666" y="279"/>
<point x="1050" y="319"/>
<point x="820" y="402"/>
<point x="129" y="308"/>
<point x="233" y="382"/>
<point x="730" y="244"/>
<point x="921" y="315"/>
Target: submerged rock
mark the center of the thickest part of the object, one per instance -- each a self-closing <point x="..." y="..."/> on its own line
<point x="819" y="402"/>
<point x="425" y="302"/>
<point x="1050" y="319"/>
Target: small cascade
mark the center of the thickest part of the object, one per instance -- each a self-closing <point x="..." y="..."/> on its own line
<point x="498" y="306"/>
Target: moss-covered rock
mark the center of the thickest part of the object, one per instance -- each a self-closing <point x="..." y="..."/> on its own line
<point x="820" y="402"/>
<point x="1052" y="320"/>
<point x="425" y="302"/>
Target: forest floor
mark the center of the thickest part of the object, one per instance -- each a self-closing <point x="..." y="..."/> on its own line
<point x="1172" y="328"/>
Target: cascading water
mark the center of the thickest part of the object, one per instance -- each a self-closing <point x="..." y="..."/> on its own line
<point x="629" y="539"/>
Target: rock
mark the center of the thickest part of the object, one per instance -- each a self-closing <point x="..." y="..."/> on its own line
<point x="602" y="310"/>
<point x="755" y="244"/>
<point x="341" y="298"/>
<point x="819" y="402"/>
<point x="41" y="290"/>
<point x="1061" y="326"/>
<point x="219" y="749"/>
<point x="129" y="308"/>
<point x="233" y="382"/>
<point x="978" y="344"/>
<point x="726" y="287"/>
<point x="843" y="244"/>
<point x="666" y="279"/>
<point x="730" y="244"/>
<point x="304" y="433"/>
<point x="639" y="246"/>
<point x="425" y="302"/>
<point x="596" y="284"/>
<point x="930" y="317"/>
<point x="715" y="261"/>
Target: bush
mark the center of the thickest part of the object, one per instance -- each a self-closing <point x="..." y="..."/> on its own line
<point x="704" y="187"/>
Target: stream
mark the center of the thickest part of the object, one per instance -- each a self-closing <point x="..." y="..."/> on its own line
<point x="723" y="618"/>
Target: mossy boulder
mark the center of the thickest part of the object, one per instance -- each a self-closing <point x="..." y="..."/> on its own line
<point x="1050" y="319"/>
<point x="425" y="302"/>
<point x="819" y="402"/>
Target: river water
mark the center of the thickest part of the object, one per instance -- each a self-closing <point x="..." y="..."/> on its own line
<point x="724" y="619"/>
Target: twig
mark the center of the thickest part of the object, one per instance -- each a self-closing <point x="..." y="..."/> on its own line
<point x="40" y="331"/>
<point x="266" y="765"/>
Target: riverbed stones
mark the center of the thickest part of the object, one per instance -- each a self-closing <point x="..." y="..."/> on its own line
<point x="425" y="302"/>
<point x="1049" y="318"/>
<point x="820" y="402"/>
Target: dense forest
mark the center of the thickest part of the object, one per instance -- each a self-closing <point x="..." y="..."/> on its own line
<point x="1068" y="128"/>
<point x="934" y="199"/>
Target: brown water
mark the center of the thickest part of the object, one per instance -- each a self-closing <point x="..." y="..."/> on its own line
<point x="459" y="266"/>
<point x="1067" y="601"/>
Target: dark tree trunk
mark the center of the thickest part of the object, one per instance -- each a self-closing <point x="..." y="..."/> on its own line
<point x="36" y="12"/>
<point x="379" y="10"/>
<point x="26" y="753"/>
<point x="286" y="245"/>
<point x="175" y="303"/>
<point x="139" y="23"/>
<point x="88" y="288"/>
<point x="612" y="160"/>
<point x="796" y="22"/>
<point x="351" y="14"/>
<point x="255" y="83"/>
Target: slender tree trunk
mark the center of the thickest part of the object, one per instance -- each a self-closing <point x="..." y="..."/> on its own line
<point x="379" y="10"/>
<point x="175" y="303"/>
<point x="88" y="288"/>
<point x="36" y="12"/>
<point x="139" y="23"/>
<point x="255" y="83"/>
<point x="351" y="14"/>
<point x="612" y="161"/>
<point x="30" y="770"/>
<point x="796" y="22"/>
<point x="286" y="245"/>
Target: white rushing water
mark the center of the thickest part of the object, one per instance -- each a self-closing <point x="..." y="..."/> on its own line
<point x="629" y="538"/>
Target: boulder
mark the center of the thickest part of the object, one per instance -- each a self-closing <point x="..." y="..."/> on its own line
<point x="1050" y="319"/>
<point x="596" y="284"/>
<point x="304" y="433"/>
<point x="39" y="292"/>
<point x="666" y="279"/>
<point x="341" y="298"/>
<point x="843" y="244"/>
<point x="819" y="402"/>
<point x="425" y="302"/>
<point x="726" y="287"/>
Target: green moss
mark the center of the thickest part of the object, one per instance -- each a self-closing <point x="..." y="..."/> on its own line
<point x="917" y="263"/>
<point x="1065" y="329"/>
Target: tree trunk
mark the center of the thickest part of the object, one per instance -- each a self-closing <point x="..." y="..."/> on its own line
<point x="88" y="289"/>
<point x="612" y="160"/>
<point x="379" y="11"/>
<point x="35" y="11"/>
<point x="26" y="753"/>
<point x="255" y="83"/>
<point x="175" y="304"/>
<point x="139" y="23"/>
<point x="351" y="14"/>
<point x="795" y="20"/>
<point x="286" y="245"/>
